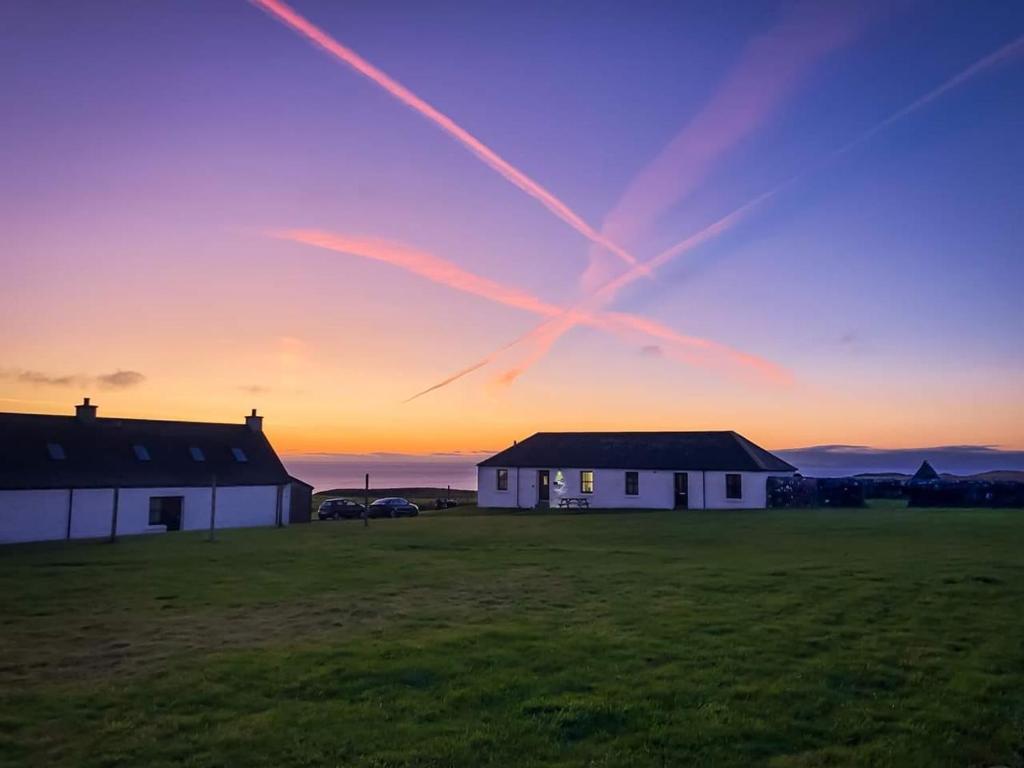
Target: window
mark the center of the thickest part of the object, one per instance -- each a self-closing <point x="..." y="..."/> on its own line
<point x="733" y="487"/>
<point x="239" y="455"/>
<point x="141" y="453"/>
<point x="632" y="483"/>
<point x="56" y="451"/>
<point x="197" y="453"/>
<point x="502" y="479"/>
<point x="586" y="481"/>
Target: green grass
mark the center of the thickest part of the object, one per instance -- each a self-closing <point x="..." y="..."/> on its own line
<point x="796" y="638"/>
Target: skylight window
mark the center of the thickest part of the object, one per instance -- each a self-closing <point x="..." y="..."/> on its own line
<point x="239" y="455"/>
<point x="56" y="451"/>
<point x="197" y="453"/>
<point x="141" y="452"/>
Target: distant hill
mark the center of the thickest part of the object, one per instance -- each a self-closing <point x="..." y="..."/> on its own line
<point x="406" y="493"/>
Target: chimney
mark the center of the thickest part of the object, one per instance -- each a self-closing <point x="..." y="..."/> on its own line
<point x="254" y="422"/>
<point x="86" y="412"/>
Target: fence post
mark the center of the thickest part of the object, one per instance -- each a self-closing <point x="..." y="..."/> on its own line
<point x="213" y="507"/>
<point x="113" y="515"/>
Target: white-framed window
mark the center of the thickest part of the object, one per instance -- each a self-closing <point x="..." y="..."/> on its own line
<point x="586" y="481"/>
<point x="501" y="479"/>
<point x="632" y="483"/>
<point x="733" y="486"/>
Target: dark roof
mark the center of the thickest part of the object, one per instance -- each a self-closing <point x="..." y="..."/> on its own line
<point x="716" y="451"/>
<point x="102" y="454"/>
<point x="925" y="473"/>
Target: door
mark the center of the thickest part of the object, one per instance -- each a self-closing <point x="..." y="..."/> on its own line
<point x="543" y="487"/>
<point x="682" y="490"/>
<point x="166" y="511"/>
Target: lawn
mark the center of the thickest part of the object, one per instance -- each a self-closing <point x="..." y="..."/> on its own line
<point x="783" y="638"/>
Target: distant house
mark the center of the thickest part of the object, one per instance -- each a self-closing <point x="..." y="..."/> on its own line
<point x="72" y="477"/>
<point x="646" y="470"/>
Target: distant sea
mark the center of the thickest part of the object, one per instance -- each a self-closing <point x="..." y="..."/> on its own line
<point x="326" y="471"/>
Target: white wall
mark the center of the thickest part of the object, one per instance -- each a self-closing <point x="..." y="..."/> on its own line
<point x="37" y="515"/>
<point x="656" y="489"/>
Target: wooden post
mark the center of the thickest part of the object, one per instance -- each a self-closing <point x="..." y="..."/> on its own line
<point x="113" y="515"/>
<point x="366" y="502"/>
<point x="213" y="508"/>
<point x="71" y="502"/>
<point x="447" y="495"/>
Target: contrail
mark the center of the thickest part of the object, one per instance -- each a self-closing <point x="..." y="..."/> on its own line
<point x="768" y="71"/>
<point x="444" y="272"/>
<point x="544" y="340"/>
<point x="303" y="26"/>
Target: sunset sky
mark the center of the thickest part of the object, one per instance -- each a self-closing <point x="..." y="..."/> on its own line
<point x="203" y="212"/>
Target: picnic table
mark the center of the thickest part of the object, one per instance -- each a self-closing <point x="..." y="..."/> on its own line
<point x="569" y="501"/>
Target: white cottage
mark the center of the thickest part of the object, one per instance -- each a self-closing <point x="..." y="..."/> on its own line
<point x="642" y="470"/>
<point x="76" y="477"/>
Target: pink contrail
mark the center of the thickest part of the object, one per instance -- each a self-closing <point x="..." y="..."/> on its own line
<point x="769" y="70"/>
<point x="303" y="26"/>
<point x="543" y="339"/>
<point x="444" y="272"/>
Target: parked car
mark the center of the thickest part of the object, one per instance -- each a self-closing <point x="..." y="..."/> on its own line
<point x="393" y="506"/>
<point x="445" y="503"/>
<point x="340" y="509"/>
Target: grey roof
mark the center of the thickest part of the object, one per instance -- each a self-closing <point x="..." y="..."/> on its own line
<point x="102" y="454"/>
<point x="717" y="451"/>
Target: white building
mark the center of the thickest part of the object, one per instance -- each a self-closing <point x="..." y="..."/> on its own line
<point x="619" y="470"/>
<point x="77" y="477"/>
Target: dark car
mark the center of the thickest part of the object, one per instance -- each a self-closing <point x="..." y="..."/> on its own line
<point x="340" y="509"/>
<point x="393" y="506"/>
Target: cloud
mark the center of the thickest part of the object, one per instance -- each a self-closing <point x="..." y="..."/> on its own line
<point x="45" y="379"/>
<point x="255" y="389"/>
<point x="120" y="379"/>
<point x="652" y="350"/>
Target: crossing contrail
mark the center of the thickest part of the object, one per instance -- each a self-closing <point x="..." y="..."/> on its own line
<point x="768" y="71"/>
<point x="543" y="337"/>
<point x="691" y="349"/>
<point x="319" y="37"/>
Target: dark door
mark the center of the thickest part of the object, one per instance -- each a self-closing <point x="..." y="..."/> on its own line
<point x="166" y="511"/>
<point x="543" y="486"/>
<point x="682" y="490"/>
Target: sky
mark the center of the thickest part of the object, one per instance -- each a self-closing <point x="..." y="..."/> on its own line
<point x="204" y="211"/>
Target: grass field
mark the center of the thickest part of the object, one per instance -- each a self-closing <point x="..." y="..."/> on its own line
<point x="803" y="638"/>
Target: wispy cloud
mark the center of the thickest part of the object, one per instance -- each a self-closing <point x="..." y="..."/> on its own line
<point x="50" y="380"/>
<point x="119" y="379"/>
<point x="323" y="40"/>
<point x="255" y="389"/>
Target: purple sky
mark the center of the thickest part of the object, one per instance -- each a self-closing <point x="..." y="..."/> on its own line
<point x="147" y="148"/>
